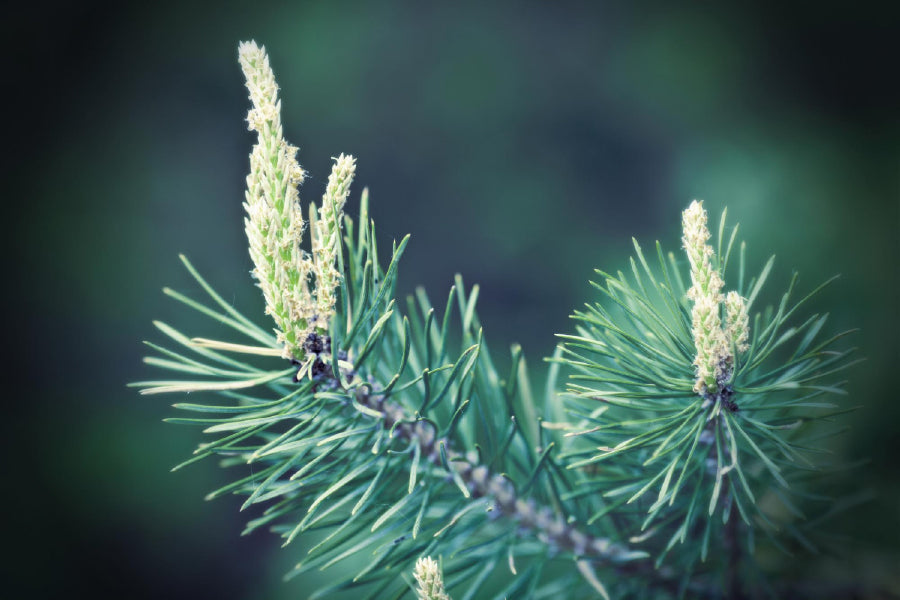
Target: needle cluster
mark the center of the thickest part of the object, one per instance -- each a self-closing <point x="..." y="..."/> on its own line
<point x="399" y="439"/>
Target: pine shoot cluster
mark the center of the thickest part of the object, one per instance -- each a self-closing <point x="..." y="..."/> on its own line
<point x="298" y="288"/>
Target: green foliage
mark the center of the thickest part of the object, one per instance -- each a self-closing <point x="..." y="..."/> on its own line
<point x="365" y="441"/>
<point x="388" y="434"/>
<point x="696" y="472"/>
<point x="391" y="438"/>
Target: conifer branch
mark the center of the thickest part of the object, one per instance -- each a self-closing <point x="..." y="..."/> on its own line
<point x="399" y="441"/>
<point x="480" y="482"/>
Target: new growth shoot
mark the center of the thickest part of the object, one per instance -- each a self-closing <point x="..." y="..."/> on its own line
<point x="298" y="287"/>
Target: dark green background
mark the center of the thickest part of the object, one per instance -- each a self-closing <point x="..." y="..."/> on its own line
<point x="521" y="145"/>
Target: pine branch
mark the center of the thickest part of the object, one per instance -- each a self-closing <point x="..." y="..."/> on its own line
<point x="418" y="436"/>
<point x="395" y="436"/>
<point x="682" y="405"/>
<point x="479" y="482"/>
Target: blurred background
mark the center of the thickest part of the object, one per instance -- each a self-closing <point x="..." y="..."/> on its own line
<point x="522" y="145"/>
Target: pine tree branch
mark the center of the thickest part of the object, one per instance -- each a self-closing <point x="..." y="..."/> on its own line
<point x="691" y="404"/>
<point x="481" y="482"/>
<point x="549" y="526"/>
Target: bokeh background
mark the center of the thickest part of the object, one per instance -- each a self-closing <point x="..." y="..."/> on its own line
<point x="521" y="144"/>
